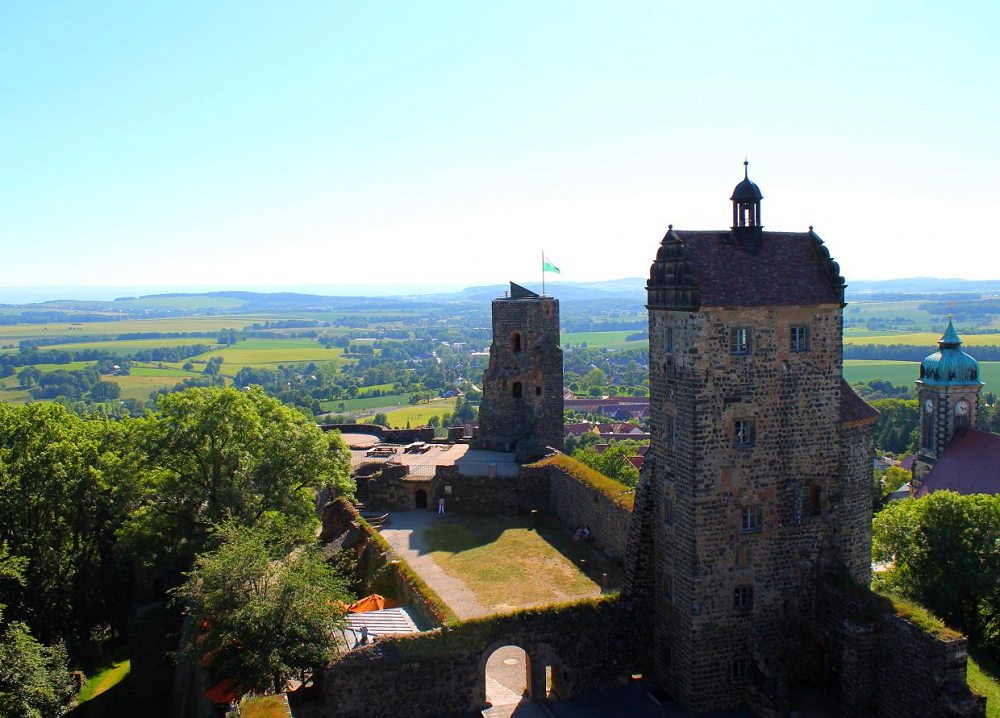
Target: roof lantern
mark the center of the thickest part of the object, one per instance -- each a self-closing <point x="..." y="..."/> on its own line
<point x="949" y="365"/>
<point x="747" y="229"/>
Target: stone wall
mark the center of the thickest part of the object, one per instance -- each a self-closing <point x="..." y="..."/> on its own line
<point x="878" y="663"/>
<point x="849" y="535"/>
<point x="527" y="491"/>
<point x="442" y="672"/>
<point x="522" y="407"/>
<point x="392" y="436"/>
<point x="579" y="504"/>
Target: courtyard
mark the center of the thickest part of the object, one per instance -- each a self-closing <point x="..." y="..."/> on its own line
<point x="492" y="564"/>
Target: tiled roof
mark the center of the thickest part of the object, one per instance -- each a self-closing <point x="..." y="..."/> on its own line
<point x="791" y="268"/>
<point x="854" y="409"/>
<point x="970" y="464"/>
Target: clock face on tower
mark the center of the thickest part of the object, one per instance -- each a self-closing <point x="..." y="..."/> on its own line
<point x="928" y="406"/>
<point x="962" y="408"/>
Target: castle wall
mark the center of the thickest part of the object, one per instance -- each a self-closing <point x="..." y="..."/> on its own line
<point x="442" y="672"/>
<point x="850" y="525"/>
<point x="579" y="504"/>
<point x="878" y="663"/>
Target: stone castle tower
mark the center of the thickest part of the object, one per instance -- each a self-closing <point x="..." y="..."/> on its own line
<point x="949" y="389"/>
<point x="522" y="408"/>
<point x="759" y="471"/>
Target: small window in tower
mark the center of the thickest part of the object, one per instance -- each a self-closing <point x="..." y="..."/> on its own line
<point x="668" y="428"/>
<point x="740" y="669"/>
<point x="739" y="340"/>
<point x="815" y="500"/>
<point x="668" y="587"/>
<point x="516" y="389"/>
<point x="799" y="339"/>
<point x="743" y="598"/>
<point x="750" y="521"/>
<point x="668" y="340"/>
<point x="745" y="433"/>
<point x="538" y="391"/>
<point x="668" y="512"/>
<point x="515" y="342"/>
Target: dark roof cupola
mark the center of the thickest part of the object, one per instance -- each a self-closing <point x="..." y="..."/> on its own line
<point x="747" y="228"/>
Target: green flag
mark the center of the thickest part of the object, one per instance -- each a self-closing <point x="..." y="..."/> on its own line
<point x="547" y="266"/>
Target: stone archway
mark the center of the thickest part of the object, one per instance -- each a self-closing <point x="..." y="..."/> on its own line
<point x="420" y="496"/>
<point x="504" y="669"/>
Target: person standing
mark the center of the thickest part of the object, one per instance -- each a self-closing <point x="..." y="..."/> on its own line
<point x="441" y="505"/>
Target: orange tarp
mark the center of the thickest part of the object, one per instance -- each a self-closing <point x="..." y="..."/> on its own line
<point x="372" y="603"/>
<point x="224" y="691"/>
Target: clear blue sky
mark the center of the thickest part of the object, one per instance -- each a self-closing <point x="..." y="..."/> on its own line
<point x="329" y="143"/>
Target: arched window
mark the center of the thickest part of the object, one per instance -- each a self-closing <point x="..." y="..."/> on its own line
<point x="516" y="390"/>
<point x="515" y="342"/>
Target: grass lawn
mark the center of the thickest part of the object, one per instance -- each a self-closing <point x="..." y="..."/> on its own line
<point x="419" y="414"/>
<point x="103" y="674"/>
<point x="264" y="707"/>
<point x="983" y="677"/>
<point x="507" y="565"/>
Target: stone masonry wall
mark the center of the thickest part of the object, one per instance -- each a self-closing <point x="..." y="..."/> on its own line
<point x="704" y="482"/>
<point x="442" y="672"/>
<point x="881" y="664"/>
<point x="527" y="491"/>
<point x="525" y="352"/>
<point x="850" y="526"/>
<point x="579" y="504"/>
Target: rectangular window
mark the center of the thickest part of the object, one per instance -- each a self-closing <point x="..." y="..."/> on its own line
<point x="743" y="598"/>
<point x="668" y="587"/>
<point x="745" y="434"/>
<point x="799" y="339"/>
<point x="739" y="340"/>
<point x="740" y="669"/>
<point x="750" y="521"/>
<point x="668" y="340"/>
<point x="668" y="512"/>
<point x="815" y="500"/>
<point x="668" y="428"/>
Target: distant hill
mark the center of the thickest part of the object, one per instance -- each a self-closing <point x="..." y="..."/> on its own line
<point x="921" y="286"/>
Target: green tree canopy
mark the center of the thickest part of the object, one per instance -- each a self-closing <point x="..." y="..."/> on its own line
<point x="944" y="549"/>
<point x="215" y="454"/>
<point x="271" y="609"/>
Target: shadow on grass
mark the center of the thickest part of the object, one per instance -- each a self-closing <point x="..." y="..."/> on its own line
<point x="118" y="702"/>
<point x="458" y="533"/>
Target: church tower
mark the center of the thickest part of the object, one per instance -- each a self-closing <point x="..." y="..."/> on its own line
<point x="522" y="407"/>
<point x="759" y="469"/>
<point x="948" y="389"/>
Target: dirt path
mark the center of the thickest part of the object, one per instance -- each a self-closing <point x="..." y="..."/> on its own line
<point x="405" y="533"/>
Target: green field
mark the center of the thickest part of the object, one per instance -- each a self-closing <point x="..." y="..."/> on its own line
<point x="129" y="326"/>
<point x="135" y="345"/>
<point x="926" y="339"/>
<point x="603" y="340"/>
<point x="419" y="415"/>
<point x="373" y="403"/>
<point x="272" y="352"/>
<point x="905" y="373"/>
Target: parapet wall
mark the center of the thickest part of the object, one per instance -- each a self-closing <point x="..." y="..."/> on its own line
<point x="890" y="667"/>
<point x="526" y="491"/>
<point x="587" y="645"/>
<point x="579" y="504"/>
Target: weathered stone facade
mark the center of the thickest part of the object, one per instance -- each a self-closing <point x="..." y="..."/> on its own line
<point x="756" y="480"/>
<point x="522" y="408"/>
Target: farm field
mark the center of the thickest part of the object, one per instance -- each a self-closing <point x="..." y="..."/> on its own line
<point x="270" y="353"/>
<point x="927" y="339"/>
<point x="128" y="326"/>
<point x="127" y="348"/>
<point x="418" y="415"/>
<point x="140" y="387"/>
<point x="373" y="403"/>
<point x="905" y="373"/>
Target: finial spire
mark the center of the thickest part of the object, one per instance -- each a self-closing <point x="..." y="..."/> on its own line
<point x="746" y="169"/>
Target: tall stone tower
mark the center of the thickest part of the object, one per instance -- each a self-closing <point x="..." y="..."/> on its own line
<point x="760" y="465"/>
<point x="522" y="407"/>
<point x="949" y="388"/>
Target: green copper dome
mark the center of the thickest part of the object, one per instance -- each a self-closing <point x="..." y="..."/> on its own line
<point x="949" y="365"/>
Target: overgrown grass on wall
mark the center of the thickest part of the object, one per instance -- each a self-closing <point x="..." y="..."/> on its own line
<point x="616" y="491"/>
